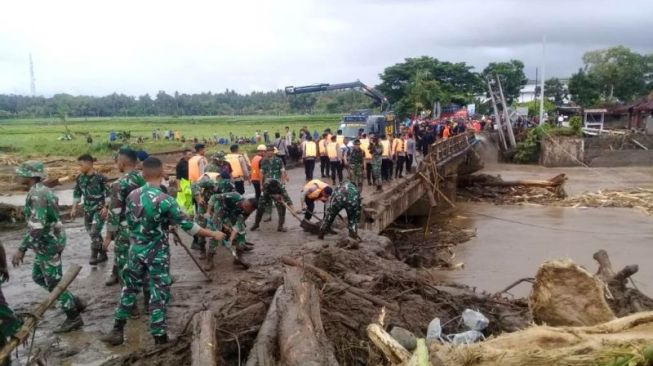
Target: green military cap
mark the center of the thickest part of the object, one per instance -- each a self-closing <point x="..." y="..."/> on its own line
<point x="218" y="156"/>
<point x="31" y="169"/>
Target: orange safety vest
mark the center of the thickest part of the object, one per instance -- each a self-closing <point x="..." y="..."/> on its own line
<point x="399" y="146"/>
<point x="315" y="183"/>
<point x="256" y="168"/>
<point x="446" y="133"/>
<point x="332" y="150"/>
<point x="194" y="168"/>
<point x="365" y="146"/>
<point x="386" y="148"/>
<point x="340" y="139"/>
<point x="310" y="149"/>
<point x="236" y="169"/>
<point x="323" y="147"/>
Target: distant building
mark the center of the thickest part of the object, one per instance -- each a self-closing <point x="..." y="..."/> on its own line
<point x="528" y="92"/>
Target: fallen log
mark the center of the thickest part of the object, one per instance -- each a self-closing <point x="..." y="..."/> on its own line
<point x="204" y="344"/>
<point x="293" y="328"/>
<point x="498" y="182"/>
<point x="31" y="321"/>
<point x="327" y="277"/>
<point x="391" y="349"/>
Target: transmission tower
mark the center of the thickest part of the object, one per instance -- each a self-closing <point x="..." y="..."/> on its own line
<point x="32" y="83"/>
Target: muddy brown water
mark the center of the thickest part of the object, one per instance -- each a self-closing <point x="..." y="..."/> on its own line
<point x="504" y="250"/>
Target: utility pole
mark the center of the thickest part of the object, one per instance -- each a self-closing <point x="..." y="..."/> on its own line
<point x="496" y="116"/>
<point x="506" y="114"/>
<point x="32" y="83"/>
<point x="542" y="85"/>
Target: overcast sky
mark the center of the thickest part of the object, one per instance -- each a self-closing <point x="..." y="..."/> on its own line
<point x="137" y="47"/>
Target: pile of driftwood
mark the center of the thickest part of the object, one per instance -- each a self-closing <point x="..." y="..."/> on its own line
<point x="488" y="188"/>
<point x="639" y="198"/>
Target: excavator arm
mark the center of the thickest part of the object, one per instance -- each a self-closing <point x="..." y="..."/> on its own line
<point x="372" y="93"/>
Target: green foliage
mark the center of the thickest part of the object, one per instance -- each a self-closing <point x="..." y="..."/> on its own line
<point x="534" y="107"/>
<point x="584" y="89"/>
<point x="528" y="151"/>
<point x="575" y="123"/>
<point x="621" y="73"/>
<point x="555" y="89"/>
<point x="512" y="77"/>
<point x="420" y="81"/>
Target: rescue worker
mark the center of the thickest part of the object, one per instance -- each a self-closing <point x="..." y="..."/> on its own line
<point x="357" y="165"/>
<point x="399" y="153"/>
<point x="345" y="196"/>
<point x="377" y="160"/>
<point x="386" y="159"/>
<point x="228" y="213"/>
<point x="218" y="165"/>
<point x="239" y="168"/>
<point x="324" y="157"/>
<point x="184" y="195"/>
<point x="149" y="214"/>
<point x="9" y="322"/>
<point x="197" y="164"/>
<point x="315" y="190"/>
<point x="202" y="190"/>
<point x="255" y="176"/>
<point x="92" y="186"/>
<point x="335" y="159"/>
<point x="365" y="146"/>
<point x="273" y="174"/>
<point x="46" y="237"/>
<point x="309" y="154"/>
<point x="340" y="139"/>
<point x="117" y="229"/>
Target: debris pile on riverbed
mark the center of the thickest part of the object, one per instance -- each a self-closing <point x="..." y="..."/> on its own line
<point x="639" y="198"/>
<point x="489" y="188"/>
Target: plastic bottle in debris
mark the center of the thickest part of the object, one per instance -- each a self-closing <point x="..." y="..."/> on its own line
<point x="474" y="320"/>
<point x="434" y="330"/>
<point x="470" y="336"/>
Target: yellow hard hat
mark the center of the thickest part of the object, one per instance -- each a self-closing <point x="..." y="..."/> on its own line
<point x="261" y="148"/>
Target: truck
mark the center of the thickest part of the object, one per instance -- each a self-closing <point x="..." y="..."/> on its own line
<point x="366" y="120"/>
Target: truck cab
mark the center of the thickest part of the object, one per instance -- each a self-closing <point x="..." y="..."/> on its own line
<point x="377" y="124"/>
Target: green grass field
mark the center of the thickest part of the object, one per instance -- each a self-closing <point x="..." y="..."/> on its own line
<point x="39" y="138"/>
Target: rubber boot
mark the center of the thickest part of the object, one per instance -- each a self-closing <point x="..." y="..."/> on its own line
<point x="116" y="337"/>
<point x="101" y="257"/>
<point x="209" y="262"/>
<point x="321" y="235"/>
<point x="257" y="221"/>
<point x="354" y="235"/>
<point x="113" y="279"/>
<point x="162" y="339"/>
<point x="146" y="301"/>
<point x="282" y="219"/>
<point x="196" y="243"/>
<point x="79" y="304"/>
<point x="93" y="260"/>
<point x="73" y="322"/>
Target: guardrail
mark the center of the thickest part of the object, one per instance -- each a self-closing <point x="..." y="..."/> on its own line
<point x="443" y="150"/>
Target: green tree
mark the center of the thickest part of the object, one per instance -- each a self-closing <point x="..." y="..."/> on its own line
<point x="511" y="75"/>
<point x="584" y="89"/>
<point x="422" y="91"/>
<point x="556" y="90"/>
<point x="620" y="73"/>
<point x="456" y="81"/>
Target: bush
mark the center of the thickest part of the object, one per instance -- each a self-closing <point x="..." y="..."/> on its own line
<point x="576" y="124"/>
<point x="528" y="151"/>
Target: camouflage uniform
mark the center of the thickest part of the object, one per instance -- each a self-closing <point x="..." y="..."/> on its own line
<point x="271" y="168"/>
<point x="272" y="187"/>
<point x="225" y="211"/>
<point x="377" y="152"/>
<point x="9" y="322"/>
<point x="345" y="196"/>
<point x="47" y="238"/>
<point x="149" y="212"/>
<point x="218" y="165"/>
<point x="117" y="222"/>
<point x="207" y="187"/>
<point x="94" y="190"/>
<point x="356" y="162"/>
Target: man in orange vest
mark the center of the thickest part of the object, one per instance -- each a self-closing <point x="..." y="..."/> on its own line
<point x="256" y="170"/>
<point x="386" y="159"/>
<point x="315" y="190"/>
<point x="399" y="153"/>
<point x="324" y="158"/>
<point x="335" y="159"/>
<point x="197" y="164"/>
<point x="239" y="168"/>
<point x="309" y="153"/>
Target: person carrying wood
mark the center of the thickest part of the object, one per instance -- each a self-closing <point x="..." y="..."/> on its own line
<point x="46" y="237"/>
<point x="227" y="213"/>
<point x="315" y="190"/>
<point x="117" y="230"/>
<point x="150" y="212"/>
<point x="273" y="175"/>
<point x="9" y="322"/>
<point x="346" y="196"/>
<point x="92" y="186"/>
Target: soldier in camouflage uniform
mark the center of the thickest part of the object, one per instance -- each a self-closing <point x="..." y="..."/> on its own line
<point x="93" y="187"/>
<point x="357" y="165"/>
<point x="9" y="322"/>
<point x="150" y="212"/>
<point x="46" y="237"/>
<point x="218" y="164"/>
<point x="202" y="191"/>
<point x="117" y="229"/>
<point x="273" y="174"/>
<point x="346" y="196"/>
<point x="227" y="213"/>
<point x="377" y="152"/>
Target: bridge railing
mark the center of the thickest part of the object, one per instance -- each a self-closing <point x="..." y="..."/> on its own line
<point x="445" y="149"/>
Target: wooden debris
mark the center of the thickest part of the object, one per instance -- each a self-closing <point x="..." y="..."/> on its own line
<point x="639" y="198"/>
<point x="204" y="343"/>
